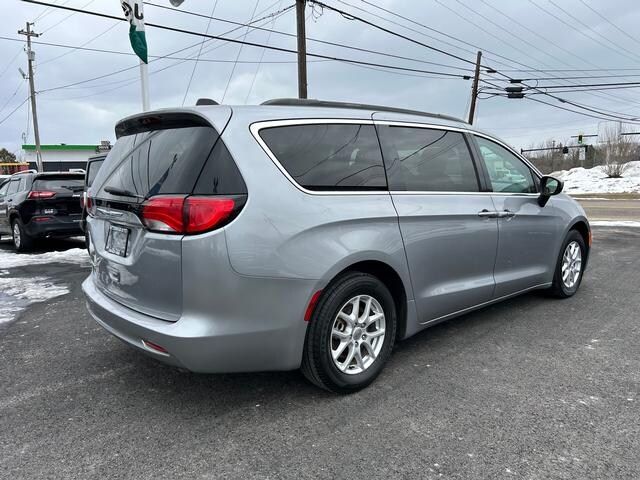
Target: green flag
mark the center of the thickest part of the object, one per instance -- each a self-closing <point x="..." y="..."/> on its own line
<point x="134" y="13"/>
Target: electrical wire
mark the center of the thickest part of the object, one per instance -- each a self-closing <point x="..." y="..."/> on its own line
<point x="309" y="39"/>
<point x="235" y="64"/>
<point x="255" y="74"/>
<point x="195" y="65"/>
<point x="13" y="111"/>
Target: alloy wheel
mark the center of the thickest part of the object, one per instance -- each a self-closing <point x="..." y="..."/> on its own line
<point x="16" y="235"/>
<point x="571" y="264"/>
<point x="357" y="334"/>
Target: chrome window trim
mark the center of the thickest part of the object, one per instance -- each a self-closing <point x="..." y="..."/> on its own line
<point x="255" y="128"/>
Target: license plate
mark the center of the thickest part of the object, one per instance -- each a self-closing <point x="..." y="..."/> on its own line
<point x="117" y="240"/>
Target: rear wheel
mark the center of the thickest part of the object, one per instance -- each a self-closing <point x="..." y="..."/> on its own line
<point x="570" y="266"/>
<point x="22" y="242"/>
<point x="351" y="334"/>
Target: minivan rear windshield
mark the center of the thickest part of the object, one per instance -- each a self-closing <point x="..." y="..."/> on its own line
<point x="154" y="162"/>
<point x="70" y="183"/>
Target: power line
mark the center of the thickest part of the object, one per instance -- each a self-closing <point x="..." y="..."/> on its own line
<point x="255" y="74"/>
<point x="235" y="64"/>
<point x="562" y="100"/>
<point x="310" y="39"/>
<point x="81" y="47"/>
<point x="609" y="22"/>
<point x="67" y="17"/>
<point x="568" y="24"/>
<point x="195" y="65"/>
<point x="244" y="42"/>
<point x="14" y="111"/>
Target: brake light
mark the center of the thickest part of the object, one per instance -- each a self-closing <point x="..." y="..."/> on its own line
<point x="188" y="215"/>
<point x="37" y="194"/>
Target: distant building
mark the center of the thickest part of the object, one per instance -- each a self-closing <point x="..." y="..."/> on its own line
<point x="63" y="157"/>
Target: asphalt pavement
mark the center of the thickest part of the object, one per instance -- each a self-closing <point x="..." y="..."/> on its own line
<point x="531" y="388"/>
<point x="611" y="210"/>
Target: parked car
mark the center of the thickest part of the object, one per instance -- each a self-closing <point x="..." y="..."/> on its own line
<point x="40" y="205"/>
<point x="93" y="166"/>
<point x="314" y="235"/>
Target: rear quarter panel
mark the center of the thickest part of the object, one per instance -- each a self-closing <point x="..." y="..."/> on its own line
<point x="286" y="233"/>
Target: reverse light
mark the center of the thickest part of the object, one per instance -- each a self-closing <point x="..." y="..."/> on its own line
<point x="37" y="194"/>
<point x="188" y="215"/>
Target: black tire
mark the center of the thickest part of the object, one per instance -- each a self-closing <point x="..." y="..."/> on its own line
<point x="317" y="362"/>
<point x="558" y="288"/>
<point x="26" y="242"/>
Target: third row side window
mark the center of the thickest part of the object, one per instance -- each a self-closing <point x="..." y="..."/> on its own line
<point x="428" y="160"/>
<point x="329" y="156"/>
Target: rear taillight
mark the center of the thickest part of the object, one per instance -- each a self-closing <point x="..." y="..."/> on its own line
<point x="189" y="215"/>
<point x="37" y="194"/>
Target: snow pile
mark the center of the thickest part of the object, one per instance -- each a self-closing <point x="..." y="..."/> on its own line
<point x="10" y="259"/>
<point x="594" y="180"/>
<point x="18" y="292"/>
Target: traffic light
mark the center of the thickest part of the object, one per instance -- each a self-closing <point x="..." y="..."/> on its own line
<point x="565" y="150"/>
<point x="580" y="139"/>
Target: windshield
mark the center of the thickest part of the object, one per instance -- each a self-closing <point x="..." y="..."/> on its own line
<point x="69" y="183"/>
<point x="155" y="162"/>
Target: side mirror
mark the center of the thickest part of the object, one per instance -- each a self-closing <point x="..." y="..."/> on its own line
<point x="549" y="186"/>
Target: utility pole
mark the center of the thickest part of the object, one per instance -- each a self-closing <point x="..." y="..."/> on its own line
<point x="32" y="91"/>
<point x="302" y="49"/>
<point x="474" y="89"/>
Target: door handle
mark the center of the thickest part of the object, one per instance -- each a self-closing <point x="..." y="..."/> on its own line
<point x="487" y="214"/>
<point x="506" y="214"/>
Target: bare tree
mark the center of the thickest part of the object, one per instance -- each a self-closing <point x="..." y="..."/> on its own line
<point x="617" y="150"/>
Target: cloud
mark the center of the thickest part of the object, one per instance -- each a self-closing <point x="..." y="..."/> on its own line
<point x="86" y="113"/>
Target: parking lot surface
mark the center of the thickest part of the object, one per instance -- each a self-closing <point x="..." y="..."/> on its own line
<point x="530" y="388"/>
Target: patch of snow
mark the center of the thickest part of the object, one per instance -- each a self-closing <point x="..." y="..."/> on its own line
<point x="594" y="180"/>
<point x="10" y="259"/>
<point x="17" y="293"/>
<point x="615" y="223"/>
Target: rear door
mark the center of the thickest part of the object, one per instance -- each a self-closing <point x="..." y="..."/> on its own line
<point x="58" y="195"/>
<point x="526" y="230"/>
<point x="449" y="232"/>
<point x="154" y="156"/>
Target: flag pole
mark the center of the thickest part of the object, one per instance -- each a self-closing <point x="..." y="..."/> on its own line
<point x="144" y="84"/>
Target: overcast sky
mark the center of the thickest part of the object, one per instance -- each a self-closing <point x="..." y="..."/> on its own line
<point x="86" y="113"/>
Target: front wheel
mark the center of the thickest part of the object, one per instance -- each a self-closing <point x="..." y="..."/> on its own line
<point x="351" y="334"/>
<point x="570" y="266"/>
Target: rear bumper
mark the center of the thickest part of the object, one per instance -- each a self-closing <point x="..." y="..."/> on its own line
<point x="62" y="226"/>
<point x="206" y="344"/>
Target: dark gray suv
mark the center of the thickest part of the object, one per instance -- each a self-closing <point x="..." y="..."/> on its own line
<point x="314" y="235"/>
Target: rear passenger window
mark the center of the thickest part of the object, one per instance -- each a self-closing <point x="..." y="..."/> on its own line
<point x="329" y="156"/>
<point x="220" y="175"/>
<point x="421" y="159"/>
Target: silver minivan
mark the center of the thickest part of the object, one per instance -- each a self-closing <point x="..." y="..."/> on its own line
<point x="314" y="235"/>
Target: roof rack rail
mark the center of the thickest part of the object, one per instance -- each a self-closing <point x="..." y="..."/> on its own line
<point x="22" y="172"/>
<point x="303" y="102"/>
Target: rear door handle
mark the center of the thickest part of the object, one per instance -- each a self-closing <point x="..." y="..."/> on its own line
<point x="487" y="214"/>
<point x="506" y="214"/>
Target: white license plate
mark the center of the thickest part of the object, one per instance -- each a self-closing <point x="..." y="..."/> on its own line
<point x="117" y="240"/>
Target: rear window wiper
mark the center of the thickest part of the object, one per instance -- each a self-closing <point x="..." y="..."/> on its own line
<point x="121" y="192"/>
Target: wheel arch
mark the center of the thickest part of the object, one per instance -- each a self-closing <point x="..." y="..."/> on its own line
<point x="581" y="225"/>
<point x="392" y="280"/>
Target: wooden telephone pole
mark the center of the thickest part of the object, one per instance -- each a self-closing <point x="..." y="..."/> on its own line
<point x="474" y="89"/>
<point x="32" y="91"/>
<point x="302" y="50"/>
